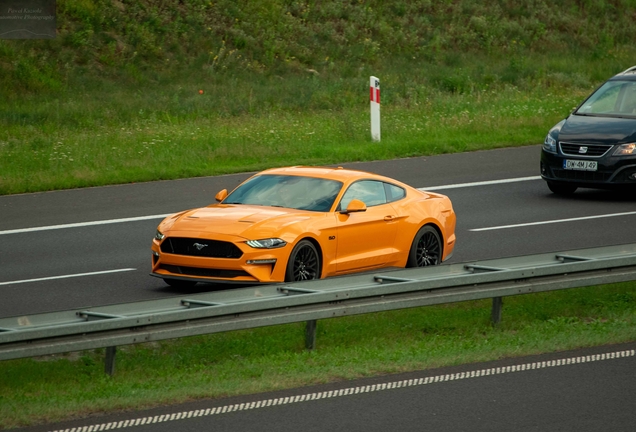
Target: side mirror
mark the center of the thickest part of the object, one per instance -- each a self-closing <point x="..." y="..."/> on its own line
<point x="221" y="195"/>
<point x="355" y="206"/>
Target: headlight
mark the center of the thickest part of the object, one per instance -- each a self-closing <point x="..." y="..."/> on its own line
<point x="270" y="243"/>
<point x="550" y="144"/>
<point x="159" y="236"/>
<point x="625" y="150"/>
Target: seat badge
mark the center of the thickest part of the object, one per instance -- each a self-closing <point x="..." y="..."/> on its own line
<point x="582" y="149"/>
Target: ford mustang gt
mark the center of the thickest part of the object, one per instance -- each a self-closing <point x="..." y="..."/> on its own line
<point x="301" y="223"/>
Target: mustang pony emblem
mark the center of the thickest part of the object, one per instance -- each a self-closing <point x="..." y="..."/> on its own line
<point x="199" y="246"/>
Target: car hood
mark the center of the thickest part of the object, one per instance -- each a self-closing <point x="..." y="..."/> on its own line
<point x="598" y="130"/>
<point x="239" y="220"/>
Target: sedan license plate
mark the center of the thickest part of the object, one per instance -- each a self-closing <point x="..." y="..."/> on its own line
<point x="580" y="165"/>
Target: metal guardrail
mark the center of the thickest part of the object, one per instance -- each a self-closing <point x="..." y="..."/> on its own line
<point x="265" y="305"/>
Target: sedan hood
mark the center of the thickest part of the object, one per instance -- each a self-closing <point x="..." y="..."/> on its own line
<point x="598" y="130"/>
<point x="237" y="219"/>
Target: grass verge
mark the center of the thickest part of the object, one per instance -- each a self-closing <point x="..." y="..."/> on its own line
<point x="50" y="389"/>
<point x="157" y="146"/>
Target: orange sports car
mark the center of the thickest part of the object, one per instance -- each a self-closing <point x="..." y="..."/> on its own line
<point x="300" y="223"/>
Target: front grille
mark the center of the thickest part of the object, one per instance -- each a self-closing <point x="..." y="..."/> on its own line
<point x="203" y="272"/>
<point x="200" y="248"/>
<point x="591" y="176"/>
<point x="591" y="150"/>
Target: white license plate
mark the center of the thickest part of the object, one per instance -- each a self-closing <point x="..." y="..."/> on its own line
<point x="580" y="165"/>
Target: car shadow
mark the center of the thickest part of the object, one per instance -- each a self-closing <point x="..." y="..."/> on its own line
<point x="201" y="288"/>
<point x="205" y="287"/>
<point x="598" y="195"/>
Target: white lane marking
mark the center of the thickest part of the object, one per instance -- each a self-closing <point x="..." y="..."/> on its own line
<point x="355" y="390"/>
<point x="553" y="221"/>
<point x="141" y="218"/>
<point x="481" y="183"/>
<point x="67" y="276"/>
<point x="83" y="224"/>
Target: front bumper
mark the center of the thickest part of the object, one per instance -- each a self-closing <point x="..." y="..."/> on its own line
<point x="253" y="266"/>
<point x="611" y="171"/>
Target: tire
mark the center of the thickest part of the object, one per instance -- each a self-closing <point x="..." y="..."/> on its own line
<point x="180" y="283"/>
<point x="426" y="249"/>
<point x="562" y="188"/>
<point x="304" y="263"/>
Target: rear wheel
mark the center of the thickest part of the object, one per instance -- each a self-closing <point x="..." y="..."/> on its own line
<point x="562" y="188"/>
<point x="304" y="263"/>
<point x="426" y="249"/>
<point x="180" y="283"/>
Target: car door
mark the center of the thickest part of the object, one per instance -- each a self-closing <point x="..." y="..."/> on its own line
<point x="365" y="239"/>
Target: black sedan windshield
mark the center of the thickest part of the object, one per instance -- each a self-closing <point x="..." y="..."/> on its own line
<point x="615" y="98"/>
<point x="301" y="193"/>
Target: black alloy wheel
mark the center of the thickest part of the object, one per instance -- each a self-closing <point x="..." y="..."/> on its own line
<point x="304" y="263"/>
<point x="426" y="249"/>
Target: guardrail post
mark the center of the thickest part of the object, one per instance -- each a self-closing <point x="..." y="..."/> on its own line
<point x="310" y="335"/>
<point x="109" y="361"/>
<point x="495" y="315"/>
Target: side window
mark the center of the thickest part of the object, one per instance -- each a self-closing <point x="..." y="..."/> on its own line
<point x="394" y="193"/>
<point x="370" y="192"/>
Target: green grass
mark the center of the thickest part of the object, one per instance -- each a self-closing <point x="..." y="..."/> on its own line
<point x="114" y="98"/>
<point x="54" y="388"/>
<point x="53" y="152"/>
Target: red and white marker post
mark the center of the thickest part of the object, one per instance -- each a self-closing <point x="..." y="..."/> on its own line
<point x="375" y="108"/>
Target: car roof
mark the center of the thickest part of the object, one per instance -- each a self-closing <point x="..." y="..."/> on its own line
<point x="627" y="74"/>
<point x="333" y="173"/>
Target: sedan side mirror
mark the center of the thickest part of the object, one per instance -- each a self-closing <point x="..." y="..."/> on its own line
<point x="355" y="206"/>
<point x="221" y="195"/>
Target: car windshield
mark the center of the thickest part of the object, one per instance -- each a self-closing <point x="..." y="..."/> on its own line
<point x="613" y="99"/>
<point x="296" y="192"/>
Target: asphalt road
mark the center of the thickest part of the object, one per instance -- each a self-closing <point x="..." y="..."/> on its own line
<point x="88" y="247"/>
<point x="579" y="391"/>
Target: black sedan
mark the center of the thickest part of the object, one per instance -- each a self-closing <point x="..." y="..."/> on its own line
<point x="595" y="147"/>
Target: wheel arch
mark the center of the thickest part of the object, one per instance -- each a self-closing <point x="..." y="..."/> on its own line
<point x="316" y="244"/>
<point x="439" y="233"/>
<point x="413" y="258"/>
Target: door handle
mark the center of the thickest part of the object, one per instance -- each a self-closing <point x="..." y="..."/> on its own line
<point x="389" y="218"/>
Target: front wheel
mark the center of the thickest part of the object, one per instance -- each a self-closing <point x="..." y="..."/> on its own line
<point x="426" y="249"/>
<point x="304" y="263"/>
<point x="562" y="188"/>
